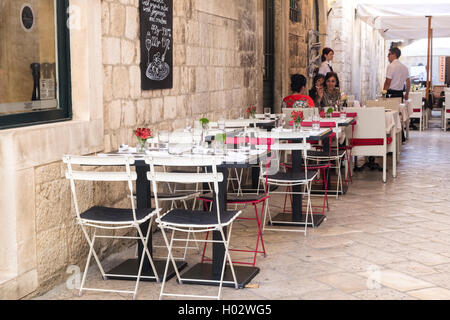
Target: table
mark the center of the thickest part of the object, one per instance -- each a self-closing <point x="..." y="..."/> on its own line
<point x="201" y="272"/>
<point x="297" y="164"/>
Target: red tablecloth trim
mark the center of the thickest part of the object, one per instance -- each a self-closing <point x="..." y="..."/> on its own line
<point x="369" y="142"/>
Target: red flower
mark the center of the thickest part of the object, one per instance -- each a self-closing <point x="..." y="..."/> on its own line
<point x="251" y="109"/>
<point x="143" y="133"/>
<point x="322" y="114"/>
<point x="297" y="116"/>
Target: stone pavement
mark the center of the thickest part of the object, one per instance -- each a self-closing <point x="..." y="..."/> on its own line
<point x="379" y="241"/>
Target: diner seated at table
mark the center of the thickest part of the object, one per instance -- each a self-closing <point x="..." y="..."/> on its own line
<point x="329" y="95"/>
<point x="318" y="82"/>
<point x="298" y="87"/>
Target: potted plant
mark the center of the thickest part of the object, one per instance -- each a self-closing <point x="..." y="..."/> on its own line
<point x="330" y="110"/>
<point x="205" y="123"/>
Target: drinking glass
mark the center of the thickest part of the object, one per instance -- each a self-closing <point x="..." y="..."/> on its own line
<point x="241" y="114"/>
<point x="343" y="115"/>
<point x="267" y="113"/>
<point x="221" y="123"/>
<point x="316" y="122"/>
<point x="163" y="140"/>
<point x="244" y="141"/>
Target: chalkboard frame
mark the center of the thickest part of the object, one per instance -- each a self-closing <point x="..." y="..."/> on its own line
<point x="156" y="61"/>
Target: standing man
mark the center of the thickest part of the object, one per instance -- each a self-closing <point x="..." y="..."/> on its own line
<point x="397" y="75"/>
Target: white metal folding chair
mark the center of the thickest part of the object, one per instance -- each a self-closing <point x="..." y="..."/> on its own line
<point x="271" y="175"/>
<point x="336" y="154"/>
<point x="107" y="218"/>
<point x="190" y="220"/>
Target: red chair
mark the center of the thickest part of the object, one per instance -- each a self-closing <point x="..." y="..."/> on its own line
<point x="245" y="199"/>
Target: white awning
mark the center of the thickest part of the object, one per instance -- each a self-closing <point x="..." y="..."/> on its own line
<point x="406" y="19"/>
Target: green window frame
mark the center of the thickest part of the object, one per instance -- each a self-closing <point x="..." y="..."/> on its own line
<point x="64" y="112"/>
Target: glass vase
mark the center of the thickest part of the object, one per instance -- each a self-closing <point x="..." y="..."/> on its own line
<point x="141" y="146"/>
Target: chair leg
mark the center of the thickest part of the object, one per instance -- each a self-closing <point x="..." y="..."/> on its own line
<point x="259" y="237"/>
<point x="169" y="259"/>
<point x="144" y="243"/>
<point x="91" y="249"/>
<point x="227" y="254"/>
<point x="384" y="168"/>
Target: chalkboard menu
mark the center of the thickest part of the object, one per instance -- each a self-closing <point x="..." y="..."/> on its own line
<point x="156" y="23"/>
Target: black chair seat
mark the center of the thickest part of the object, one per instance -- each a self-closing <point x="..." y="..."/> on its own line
<point x="289" y="176"/>
<point x="246" y="197"/>
<point x="203" y="218"/>
<point x="173" y="195"/>
<point x="105" y="214"/>
<point x="324" y="154"/>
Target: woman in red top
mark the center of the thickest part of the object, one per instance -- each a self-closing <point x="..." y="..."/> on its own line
<point x="298" y="86"/>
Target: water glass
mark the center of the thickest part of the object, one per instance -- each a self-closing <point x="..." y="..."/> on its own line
<point x="163" y="137"/>
<point x="316" y="122"/>
<point x="197" y="136"/>
<point x="343" y="115"/>
<point x="221" y="123"/>
<point x="244" y="141"/>
<point x="267" y="113"/>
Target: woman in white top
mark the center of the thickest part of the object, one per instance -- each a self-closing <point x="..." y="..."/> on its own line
<point x="327" y="57"/>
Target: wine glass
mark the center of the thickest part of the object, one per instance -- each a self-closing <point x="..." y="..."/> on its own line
<point x="163" y="140"/>
<point x="267" y="112"/>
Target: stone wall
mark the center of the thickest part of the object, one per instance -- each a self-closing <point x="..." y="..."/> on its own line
<point x="291" y="44"/>
<point x="217" y="66"/>
<point x="360" y="57"/>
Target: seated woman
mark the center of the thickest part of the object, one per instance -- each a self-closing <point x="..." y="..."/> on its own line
<point x="298" y="86"/>
<point x="329" y="95"/>
<point x="317" y="83"/>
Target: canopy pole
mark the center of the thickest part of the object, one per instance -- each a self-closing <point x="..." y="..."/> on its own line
<point x="428" y="59"/>
<point x="431" y="60"/>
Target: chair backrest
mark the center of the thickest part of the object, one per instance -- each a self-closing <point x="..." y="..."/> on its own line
<point x="92" y="172"/>
<point x="213" y="177"/>
<point x="277" y="145"/>
<point x="416" y="100"/>
<point x="392" y="103"/>
<point x="369" y="136"/>
<point x="447" y="99"/>
<point x="307" y="112"/>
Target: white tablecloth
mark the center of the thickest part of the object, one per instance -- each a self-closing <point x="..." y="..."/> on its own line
<point x="404" y="112"/>
<point x="393" y="122"/>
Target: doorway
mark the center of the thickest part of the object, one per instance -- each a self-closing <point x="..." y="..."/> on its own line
<point x="268" y="72"/>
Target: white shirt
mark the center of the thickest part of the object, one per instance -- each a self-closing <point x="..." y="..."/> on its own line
<point x="324" y="68"/>
<point x="398" y="73"/>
